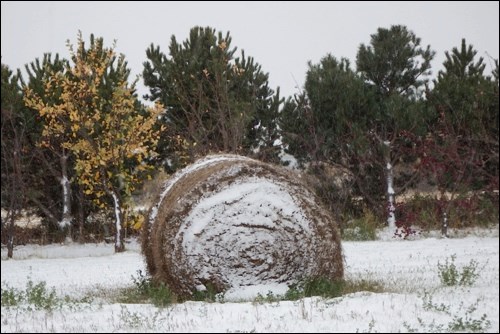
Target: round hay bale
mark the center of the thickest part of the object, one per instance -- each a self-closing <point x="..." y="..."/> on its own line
<point x="228" y="221"/>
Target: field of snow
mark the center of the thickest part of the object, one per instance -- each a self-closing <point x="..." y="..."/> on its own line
<point x="414" y="300"/>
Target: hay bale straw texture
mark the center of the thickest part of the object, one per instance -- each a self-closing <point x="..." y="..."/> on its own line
<point x="228" y="221"/>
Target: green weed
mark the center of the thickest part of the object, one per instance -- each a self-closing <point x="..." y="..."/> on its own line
<point x="450" y="275"/>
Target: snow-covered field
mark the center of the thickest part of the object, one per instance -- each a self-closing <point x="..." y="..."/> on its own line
<point x="415" y="299"/>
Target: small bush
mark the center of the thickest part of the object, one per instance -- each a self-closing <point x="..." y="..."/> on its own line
<point x="208" y="295"/>
<point x="161" y="295"/>
<point x="36" y="295"/>
<point x="323" y="287"/>
<point x="476" y="210"/>
<point x="40" y="296"/>
<point x="430" y="305"/>
<point x="11" y="296"/>
<point x="465" y="210"/>
<point x="294" y="293"/>
<point x="451" y="276"/>
<point x="421" y="211"/>
<point x="469" y="324"/>
<point x="270" y="297"/>
<point x="361" y="229"/>
<point x="146" y="290"/>
<point x="465" y="322"/>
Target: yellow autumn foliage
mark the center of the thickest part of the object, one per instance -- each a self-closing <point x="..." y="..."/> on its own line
<point x="106" y="133"/>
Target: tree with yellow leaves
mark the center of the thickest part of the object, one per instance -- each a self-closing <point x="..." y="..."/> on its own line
<point x="109" y="133"/>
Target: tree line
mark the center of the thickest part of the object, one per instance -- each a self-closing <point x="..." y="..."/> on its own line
<point x="77" y="140"/>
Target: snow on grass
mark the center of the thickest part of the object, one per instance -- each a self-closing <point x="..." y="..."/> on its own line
<point x="415" y="298"/>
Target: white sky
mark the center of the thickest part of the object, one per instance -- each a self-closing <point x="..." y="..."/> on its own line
<point x="281" y="36"/>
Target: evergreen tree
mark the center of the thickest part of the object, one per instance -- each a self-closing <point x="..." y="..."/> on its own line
<point x="15" y="155"/>
<point x="466" y="94"/>
<point x="297" y="124"/>
<point x="324" y="123"/>
<point x="49" y="193"/>
<point x="467" y="113"/>
<point x="215" y="102"/>
<point x="394" y="62"/>
<point x="360" y="120"/>
<point x="395" y="66"/>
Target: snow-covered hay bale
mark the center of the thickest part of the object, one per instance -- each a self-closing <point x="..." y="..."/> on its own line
<point x="230" y="221"/>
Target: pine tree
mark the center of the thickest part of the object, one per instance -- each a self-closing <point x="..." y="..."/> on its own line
<point x="466" y="94"/>
<point x="394" y="62"/>
<point x="395" y="66"/>
<point x="50" y="186"/>
<point x="15" y="154"/>
<point x="323" y="124"/>
<point x="215" y="102"/>
<point x="466" y="127"/>
<point x="329" y="123"/>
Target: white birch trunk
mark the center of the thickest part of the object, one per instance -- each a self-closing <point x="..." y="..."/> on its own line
<point x="391" y="218"/>
<point x="119" y="247"/>
<point x="444" y="228"/>
<point x="66" y="188"/>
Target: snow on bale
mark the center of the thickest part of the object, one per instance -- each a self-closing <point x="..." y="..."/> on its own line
<point x="228" y="221"/>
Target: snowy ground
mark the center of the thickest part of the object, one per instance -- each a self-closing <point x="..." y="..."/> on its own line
<point x="415" y="300"/>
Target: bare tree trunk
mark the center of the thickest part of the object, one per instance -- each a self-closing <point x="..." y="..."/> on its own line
<point x="223" y="122"/>
<point x="10" y="234"/>
<point x="12" y="157"/>
<point x="16" y="195"/>
<point x="81" y="216"/>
